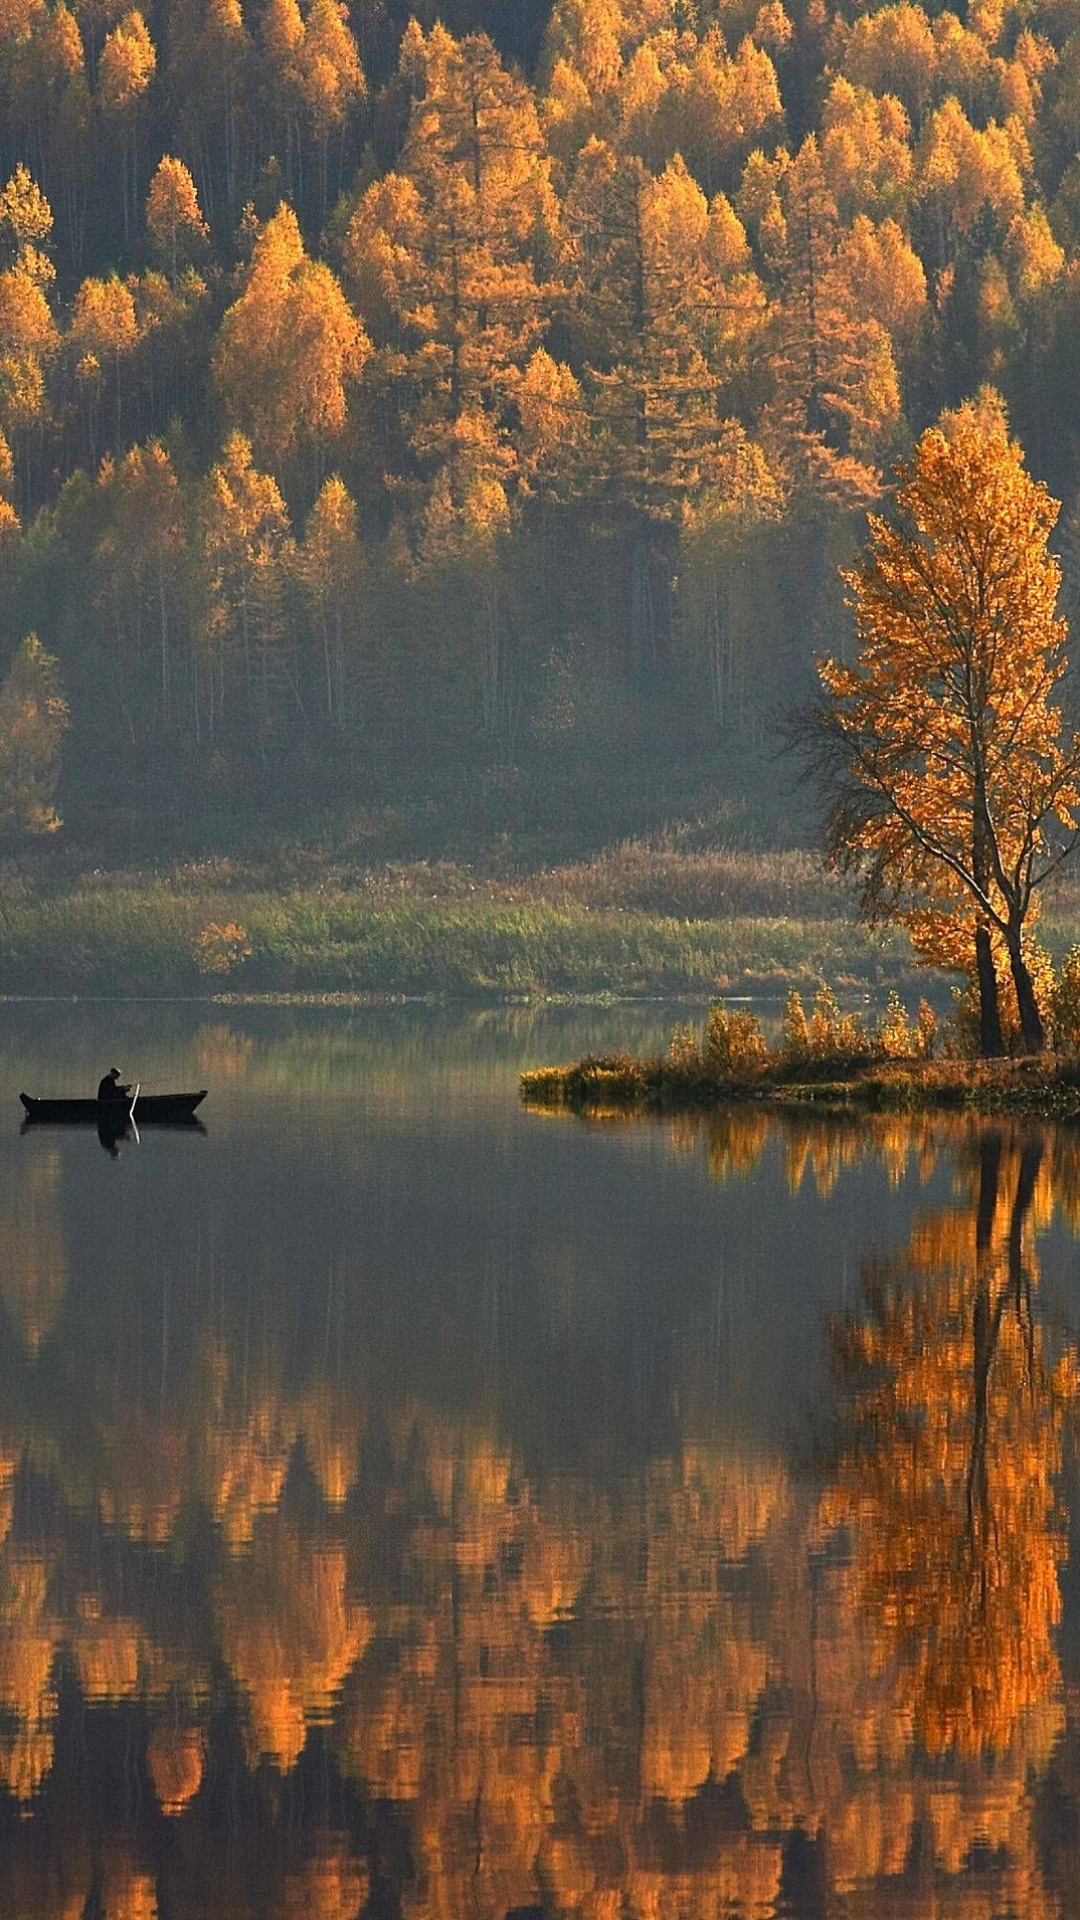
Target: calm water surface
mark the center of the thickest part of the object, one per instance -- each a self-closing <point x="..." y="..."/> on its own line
<point x="415" y="1505"/>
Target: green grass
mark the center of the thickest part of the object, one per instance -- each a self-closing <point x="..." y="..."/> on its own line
<point x="662" y="916"/>
<point x="109" y="937"/>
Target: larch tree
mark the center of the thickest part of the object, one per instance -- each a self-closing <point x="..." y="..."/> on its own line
<point x="832" y="397"/>
<point x="26" y="223"/>
<point x="103" y="333"/>
<point x="330" y="563"/>
<point x="664" y="309"/>
<point x="125" y="72"/>
<point x="836" y="394"/>
<point x="33" y="722"/>
<point x="893" y="51"/>
<point x="173" y="218"/>
<point x="715" y="108"/>
<point x="730" y="613"/>
<point x="331" y="81"/>
<point x="288" y="348"/>
<point x="209" y="65"/>
<point x="446" y="254"/>
<point x="865" y="150"/>
<point x="28" y="344"/>
<point x="461" y="566"/>
<point x="951" y="776"/>
<point x="139" y="562"/>
<point x="246" y="552"/>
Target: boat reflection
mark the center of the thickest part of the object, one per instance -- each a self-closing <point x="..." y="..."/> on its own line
<point x="112" y="1134"/>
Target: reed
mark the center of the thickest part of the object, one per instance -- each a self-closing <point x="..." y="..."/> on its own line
<point x="647" y="917"/>
<point x="153" y="935"/>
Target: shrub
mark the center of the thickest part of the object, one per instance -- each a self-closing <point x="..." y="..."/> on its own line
<point x="683" y="1051"/>
<point x="795" y="1031"/>
<point x="615" y="1079"/>
<point x="735" y="1047"/>
<point x="220" y="948"/>
<point x="894" y="1036"/>
<point x="926" y="1030"/>
<point x="827" y="1036"/>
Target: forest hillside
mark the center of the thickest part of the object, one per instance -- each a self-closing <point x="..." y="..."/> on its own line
<point x="391" y="403"/>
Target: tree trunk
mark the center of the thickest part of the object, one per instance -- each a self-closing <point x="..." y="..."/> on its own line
<point x="1031" y="1020"/>
<point x="991" y="1039"/>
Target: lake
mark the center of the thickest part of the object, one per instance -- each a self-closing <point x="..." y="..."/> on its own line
<point x="416" y="1505"/>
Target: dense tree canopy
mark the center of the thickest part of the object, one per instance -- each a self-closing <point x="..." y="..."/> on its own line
<point x="608" y="323"/>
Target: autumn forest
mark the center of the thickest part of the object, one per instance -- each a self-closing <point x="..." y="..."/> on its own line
<point x="382" y="392"/>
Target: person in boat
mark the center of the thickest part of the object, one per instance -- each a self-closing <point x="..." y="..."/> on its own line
<point x="110" y="1088"/>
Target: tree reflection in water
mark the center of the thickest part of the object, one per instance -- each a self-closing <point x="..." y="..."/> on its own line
<point x="281" y="1644"/>
<point x="956" y="1416"/>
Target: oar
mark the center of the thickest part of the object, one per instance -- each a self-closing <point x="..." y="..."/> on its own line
<point x="134" y="1097"/>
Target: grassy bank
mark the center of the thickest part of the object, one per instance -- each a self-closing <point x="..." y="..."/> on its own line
<point x="664" y="916"/>
<point x="147" y="941"/>
<point x="675" y="927"/>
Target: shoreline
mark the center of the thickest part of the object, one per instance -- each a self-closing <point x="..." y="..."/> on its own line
<point x="1037" y="1088"/>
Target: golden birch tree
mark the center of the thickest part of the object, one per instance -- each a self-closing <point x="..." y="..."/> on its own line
<point x="952" y="778"/>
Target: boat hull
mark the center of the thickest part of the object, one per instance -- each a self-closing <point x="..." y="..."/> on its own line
<point x="164" y="1109"/>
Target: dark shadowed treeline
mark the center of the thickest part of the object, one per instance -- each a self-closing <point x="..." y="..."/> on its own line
<point x="379" y="393"/>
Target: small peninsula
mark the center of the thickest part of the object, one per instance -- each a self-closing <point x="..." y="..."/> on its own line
<point x="824" y="1059"/>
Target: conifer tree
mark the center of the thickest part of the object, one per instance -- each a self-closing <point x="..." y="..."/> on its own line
<point x="173" y="218"/>
<point x="140" y="564"/>
<point x="247" y="552"/>
<point x="288" y="348"/>
<point x="33" y="721"/>
<point x="330" y="562"/>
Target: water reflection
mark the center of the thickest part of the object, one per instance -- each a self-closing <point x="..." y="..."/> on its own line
<point x="290" y="1627"/>
<point x="956" y="1415"/>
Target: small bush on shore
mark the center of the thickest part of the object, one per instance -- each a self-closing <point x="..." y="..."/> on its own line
<point x="735" y="1047"/>
<point x="824" y="1038"/>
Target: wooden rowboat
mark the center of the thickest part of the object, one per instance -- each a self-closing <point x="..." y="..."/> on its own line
<point x="166" y="1109"/>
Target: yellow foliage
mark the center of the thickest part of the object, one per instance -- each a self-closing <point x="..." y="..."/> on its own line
<point x="734" y="1045"/>
<point x="827" y="1034"/>
<point x="948" y="1483"/>
<point x="33" y="722"/>
<point x="176" y="1758"/>
<point x="289" y="348"/>
<point x="173" y="216"/>
<point x="26" y="220"/>
<point x="127" y="65"/>
<point x="894" y="1035"/>
<point x="960" y="777"/>
<point x="221" y="948"/>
